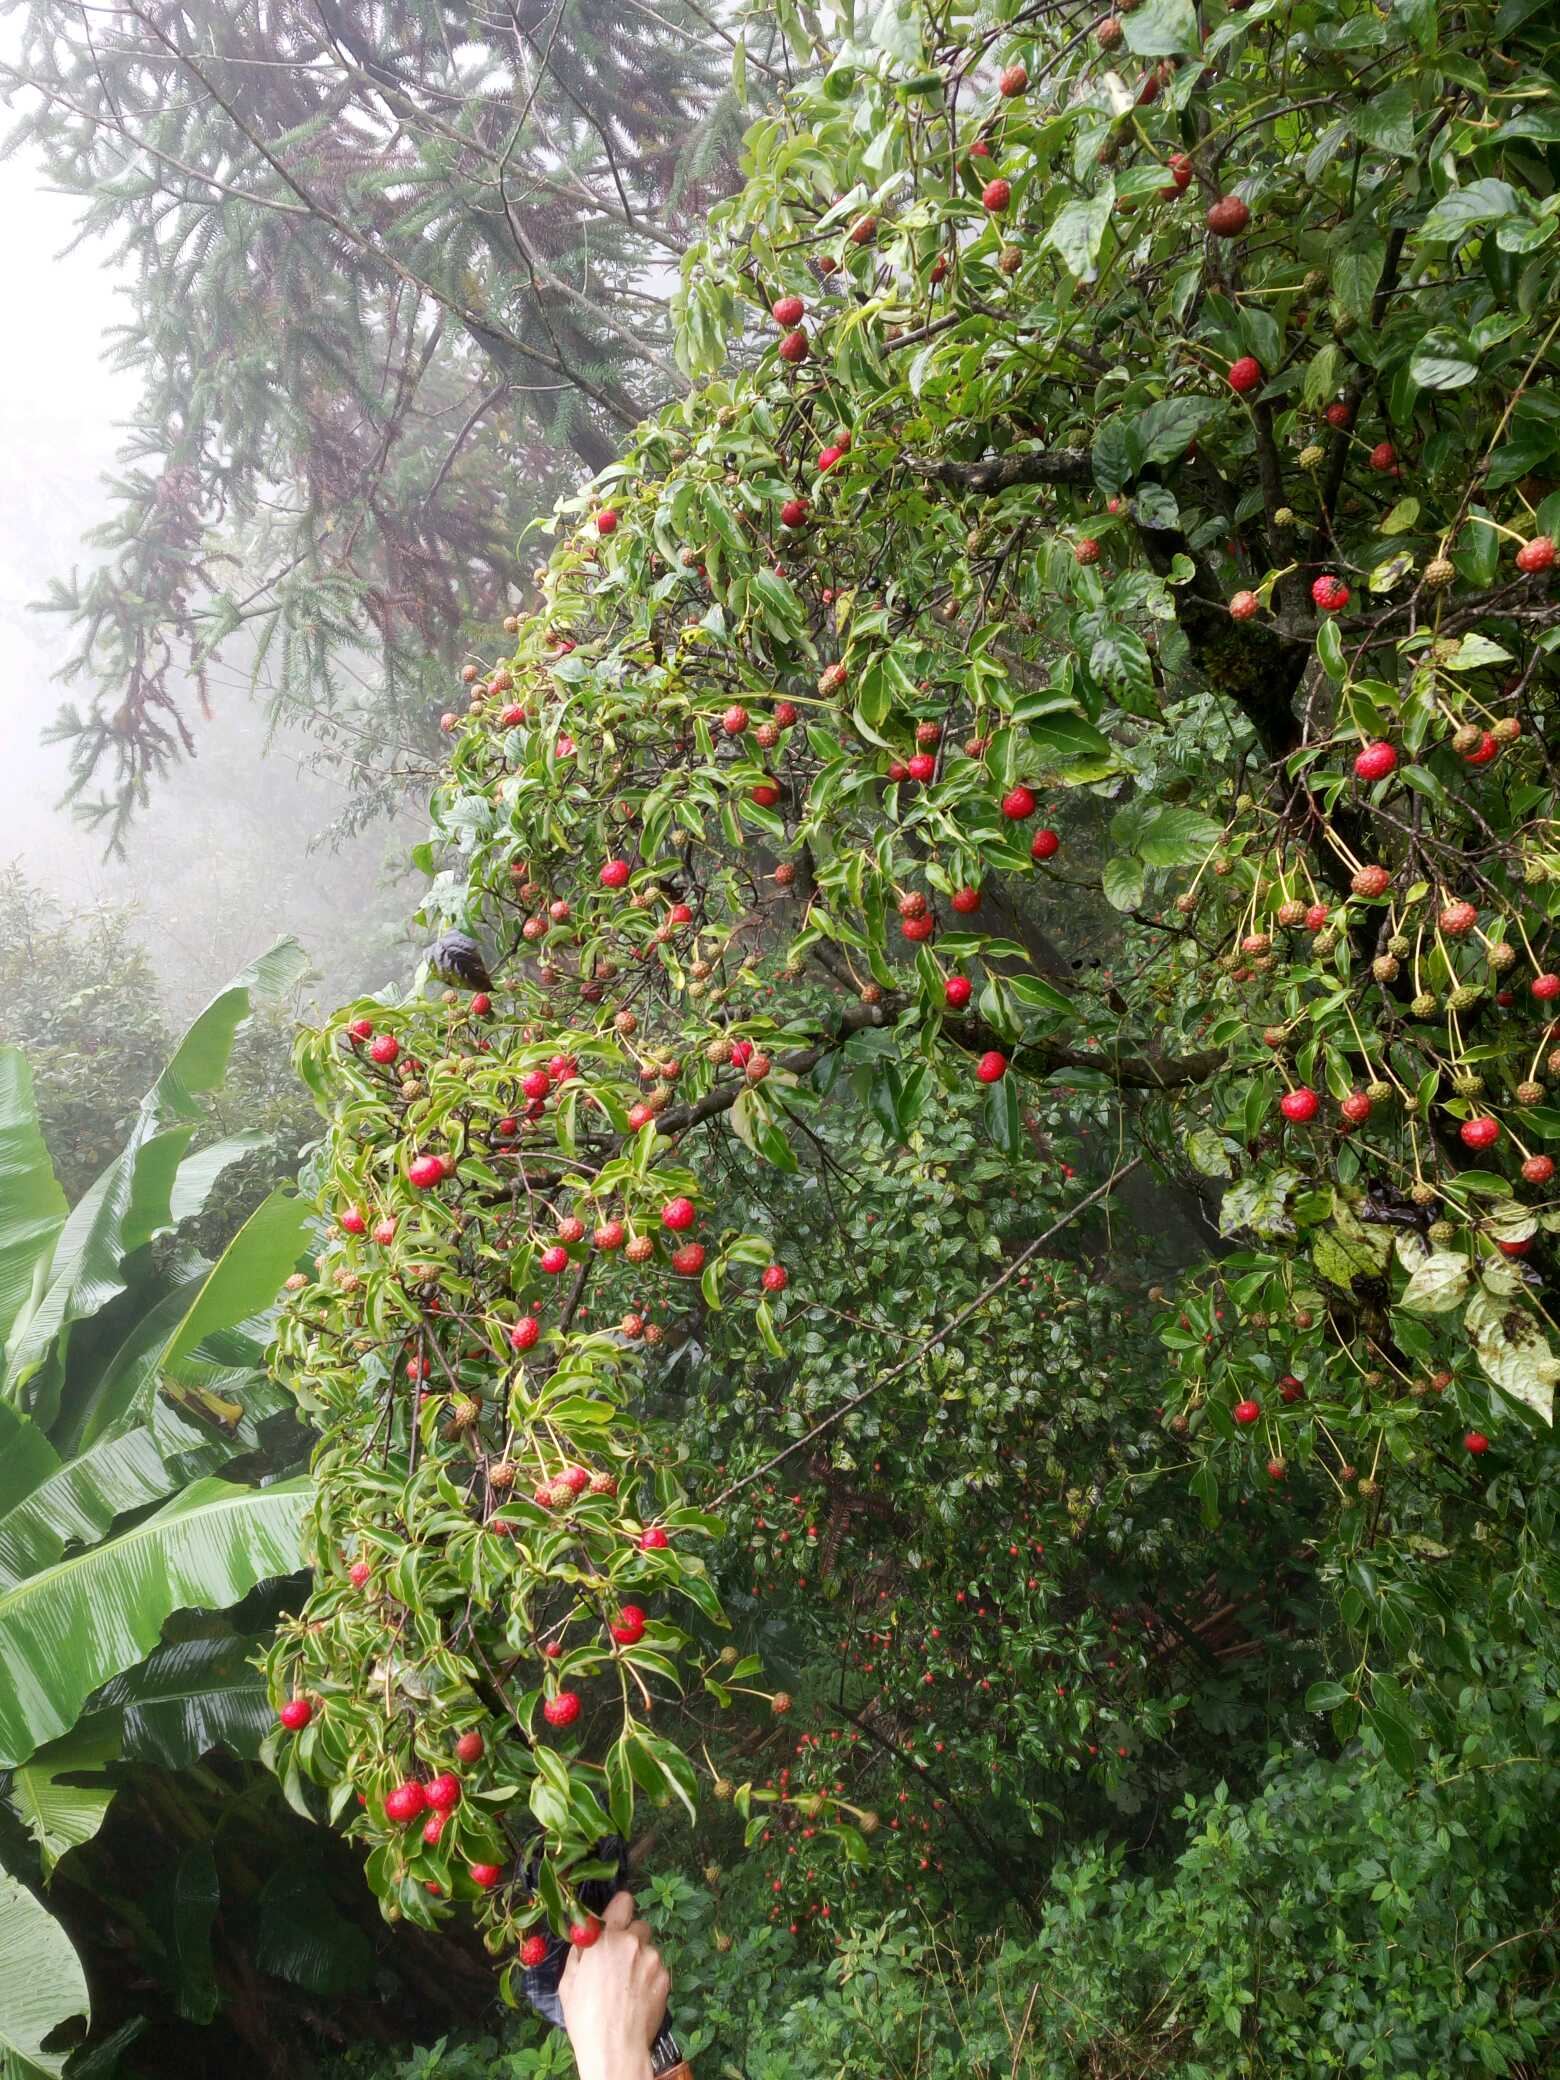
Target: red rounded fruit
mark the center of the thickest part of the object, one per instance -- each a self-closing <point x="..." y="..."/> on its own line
<point x="533" y="1951"/>
<point x="427" y="1171"/>
<point x="1355" y="1108"/>
<point x="384" y="1049"/>
<point x="1476" y="1442"/>
<point x="1228" y="217"/>
<point x="787" y="311"/>
<point x="1375" y="761"/>
<point x="470" y="1747"/>
<point x="1383" y="459"/>
<point x="1087" y="551"/>
<point x="582" y="1934"/>
<point x="775" y="1278"/>
<point x="630" y="1626"/>
<point x="957" y="991"/>
<point x="1545" y="987"/>
<point x="353" y="1221"/>
<point x="523" y="1335"/>
<point x="1538" y="1169"/>
<point x="1014" y="80"/>
<point x="735" y="720"/>
<point x="794" y="512"/>
<point x="655" y="1540"/>
<point x="688" y="1261"/>
<point x="563" y="1709"/>
<point x="1330" y="593"/>
<point x="1299" y="1105"/>
<point x="1479" y="1133"/>
<point x="1243" y="605"/>
<point x="555" y="1258"/>
<point x="296" y="1713"/>
<point x="793" y="347"/>
<point x="964" y="900"/>
<point x="1247" y="1412"/>
<point x="1536" y="555"/>
<point x="614" y="874"/>
<point x="1018" y="803"/>
<point x="606" y="521"/>
<point x="443" y="1792"/>
<point x="406" y="1802"/>
<point x="1045" y="844"/>
<point x="992" y="1067"/>
<point x="996" y="195"/>
<point x="678" y="1214"/>
<point x="1245" y="374"/>
<point x="485" y="1875"/>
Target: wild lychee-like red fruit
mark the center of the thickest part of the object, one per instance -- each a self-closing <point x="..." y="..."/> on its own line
<point x="358" y="1573"/>
<point x="957" y="991"/>
<point x="1087" y="551"/>
<point x="352" y="1221"/>
<point x="1536" y="555"/>
<point x="1045" y="844"/>
<point x="1330" y="593"/>
<point x="1375" y="761"/>
<point x="554" y="1258"/>
<point x="485" y="1875"/>
<point x="1299" y="1105"/>
<point x="775" y="1278"/>
<point x="1355" y="1108"/>
<point x="1247" y="1412"/>
<point x="1458" y="919"/>
<point x="787" y="311"/>
<point x="629" y="1627"/>
<point x="1538" y="1169"/>
<point x="678" y="1214"/>
<point x="614" y="873"/>
<point x="470" y="1747"/>
<point x="1479" y="1133"/>
<point x="794" y="512"/>
<point x="992" y="1066"/>
<point x="1243" y="605"/>
<point x="525" y="1332"/>
<point x="427" y="1171"/>
<point x="1545" y="987"/>
<point x="655" y="1540"/>
<point x="1383" y="459"/>
<point x="406" y="1802"/>
<point x="688" y="1261"/>
<point x="1228" y="217"/>
<point x="1316" y="916"/>
<point x="443" y="1791"/>
<point x="533" y="1951"/>
<point x="793" y="348"/>
<point x="1014" y="80"/>
<point x="563" y="1709"/>
<point x="384" y="1049"/>
<point x="1018" y="803"/>
<point x="1339" y="414"/>
<point x="582" y="1934"/>
<point x="918" y="929"/>
<point x="606" y="521"/>
<point x="1245" y="374"/>
<point x="1476" y="1442"/>
<point x="296" y="1713"/>
<point x="735" y="720"/>
<point x="1371" y="881"/>
<point x="964" y="900"/>
<point x="996" y="195"/>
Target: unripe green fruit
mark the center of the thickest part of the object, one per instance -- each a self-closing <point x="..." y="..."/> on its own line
<point x="1464" y="997"/>
<point x="1312" y="456"/>
<point x="1442" y="1233"/>
<point x="1439" y="573"/>
<point x="1423" y="1005"/>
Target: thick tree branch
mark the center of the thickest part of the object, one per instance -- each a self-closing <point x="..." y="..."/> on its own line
<point x="1002" y="472"/>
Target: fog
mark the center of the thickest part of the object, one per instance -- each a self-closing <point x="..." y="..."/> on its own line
<point x="221" y="864"/>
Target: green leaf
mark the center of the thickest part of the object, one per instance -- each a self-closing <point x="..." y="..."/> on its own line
<point x="41" y="1983"/>
<point x="1443" y="360"/>
<point x="1481" y="202"/>
<point x="1513" y="1351"/>
<point x="247" y="1277"/>
<point x="1164" y="431"/>
<point x="1122" y="882"/>
<point x="90" y="1617"/>
<point x="1386" y="121"/>
<point x="76" y="1503"/>
<point x="183" y="1912"/>
<point x="1325" y="1697"/>
<point x="302" y="1938"/>
<point x="1002" y="1115"/>
<point x="1440" y="1284"/>
<point x="1077" y="229"/>
<point x="1207" y="1153"/>
<point x="35" y="1206"/>
<point x="61" y="1816"/>
<point x="1111" y="456"/>
<point x="1358" y="256"/>
<point x="1162" y="29"/>
<point x="188" y="1697"/>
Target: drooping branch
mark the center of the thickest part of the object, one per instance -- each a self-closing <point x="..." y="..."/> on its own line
<point x="1003" y="472"/>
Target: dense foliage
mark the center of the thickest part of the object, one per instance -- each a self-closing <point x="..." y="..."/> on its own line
<point x="1068" y="697"/>
<point x="388" y="276"/>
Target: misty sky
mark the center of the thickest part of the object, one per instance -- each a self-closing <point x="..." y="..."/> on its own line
<point x="225" y="869"/>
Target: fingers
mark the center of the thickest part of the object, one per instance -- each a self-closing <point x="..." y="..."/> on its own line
<point x="620" y="1911"/>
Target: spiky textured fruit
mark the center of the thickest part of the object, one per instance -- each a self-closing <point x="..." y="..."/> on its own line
<point x="1330" y="593"/>
<point x="1245" y="374"/>
<point x="1536" y="555"/>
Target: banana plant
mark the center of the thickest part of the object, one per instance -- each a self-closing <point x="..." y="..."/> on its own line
<point x="132" y="1381"/>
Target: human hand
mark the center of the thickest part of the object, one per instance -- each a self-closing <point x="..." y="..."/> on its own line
<point x="614" y="1997"/>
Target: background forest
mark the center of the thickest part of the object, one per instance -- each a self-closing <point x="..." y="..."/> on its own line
<point x="899" y="667"/>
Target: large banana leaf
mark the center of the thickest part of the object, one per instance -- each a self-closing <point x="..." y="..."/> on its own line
<point x="41" y="1983"/>
<point x="248" y="1275"/>
<point x="76" y="1504"/>
<point x="132" y="1202"/>
<point x="74" y="1626"/>
<point x="187" y="1698"/>
<point x="34" y="1206"/>
<point x="60" y="1815"/>
<point x="200" y="1173"/>
<point x="26" y="1457"/>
